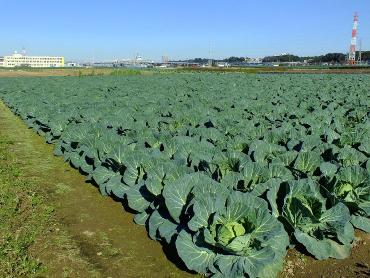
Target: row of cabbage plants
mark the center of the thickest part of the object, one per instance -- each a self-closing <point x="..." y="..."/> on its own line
<point x="231" y="170"/>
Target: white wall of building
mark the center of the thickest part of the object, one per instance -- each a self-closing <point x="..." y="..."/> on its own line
<point x="18" y="60"/>
<point x="72" y="64"/>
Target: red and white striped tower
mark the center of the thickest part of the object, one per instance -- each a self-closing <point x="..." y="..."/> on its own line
<point x="352" y="50"/>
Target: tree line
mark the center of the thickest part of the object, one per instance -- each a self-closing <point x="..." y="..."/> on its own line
<point x="333" y="58"/>
<point x="336" y="58"/>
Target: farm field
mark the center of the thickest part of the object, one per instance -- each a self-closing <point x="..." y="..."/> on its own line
<point x="56" y="232"/>
<point x="48" y="72"/>
<point x="227" y="170"/>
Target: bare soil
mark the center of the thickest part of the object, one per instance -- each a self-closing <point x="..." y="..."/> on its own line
<point x="46" y="72"/>
<point x="299" y="265"/>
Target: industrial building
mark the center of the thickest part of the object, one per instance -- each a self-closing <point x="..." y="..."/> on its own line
<point x="19" y="60"/>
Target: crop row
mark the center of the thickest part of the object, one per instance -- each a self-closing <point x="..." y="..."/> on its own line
<point x="228" y="169"/>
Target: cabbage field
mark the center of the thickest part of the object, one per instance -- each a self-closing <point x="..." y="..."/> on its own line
<point x="230" y="170"/>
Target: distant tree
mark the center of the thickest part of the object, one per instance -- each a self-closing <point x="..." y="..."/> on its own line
<point x="334" y="58"/>
<point x="234" y="59"/>
<point x="281" y="58"/>
<point x="199" y="60"/>
<point x="365" y="55"/>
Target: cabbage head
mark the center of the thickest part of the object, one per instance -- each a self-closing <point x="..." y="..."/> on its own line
<point x="241" y="239"/>
<point x="352" y="187"/>
<point x="324" y="231"/>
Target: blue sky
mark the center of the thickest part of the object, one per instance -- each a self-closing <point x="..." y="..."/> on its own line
<point x="104" y="30"/>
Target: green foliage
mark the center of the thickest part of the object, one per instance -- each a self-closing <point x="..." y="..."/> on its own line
<point x="196" y="156"/>
<point x="19" y="227"/>
<point x="242" y="238"/>
<point x="124" y="72"/>
<point x="327" y="58"/>
<point x="323" y="232"/>
<point x="281" y="58"/>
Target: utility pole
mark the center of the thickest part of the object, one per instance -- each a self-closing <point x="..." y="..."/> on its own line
<point x="210" y="60"/>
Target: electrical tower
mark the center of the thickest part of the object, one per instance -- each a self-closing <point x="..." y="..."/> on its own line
<point x="165" y="59"/>
<point x="210" y="59"/>
<point x="352" y="50"/>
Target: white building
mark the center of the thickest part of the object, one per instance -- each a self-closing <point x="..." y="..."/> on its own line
<point x="72" y="65"/>
<point x="254" y="60"/>
<point x="223" y="65"/>
<point x="1" y="62"/>
<point x="19" y="60"/>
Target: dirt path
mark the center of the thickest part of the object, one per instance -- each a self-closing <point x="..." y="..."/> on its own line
<point x="298" y="265"/>
<point x="105" y="241"/>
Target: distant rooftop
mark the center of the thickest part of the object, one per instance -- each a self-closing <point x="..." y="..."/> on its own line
<point x="20" y="55"/>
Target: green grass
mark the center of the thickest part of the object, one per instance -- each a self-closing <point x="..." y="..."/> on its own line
<point x="119" y="72"/>
<point x="236" y="69"/>
<point x="113" y="72"/>
<point x="23" y="216"/>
